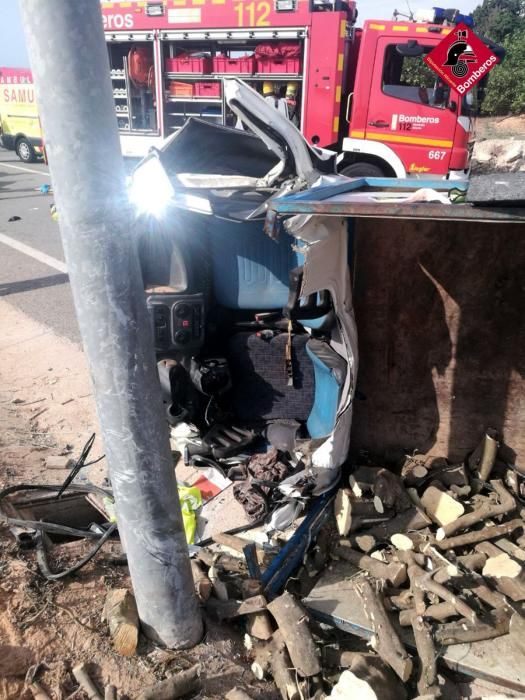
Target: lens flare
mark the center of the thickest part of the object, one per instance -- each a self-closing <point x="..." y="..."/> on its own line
<point x="150" y="189"/>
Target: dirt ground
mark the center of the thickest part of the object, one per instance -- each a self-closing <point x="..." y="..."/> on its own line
<point x="47" y="408"/>
<point x="501" y="127"/>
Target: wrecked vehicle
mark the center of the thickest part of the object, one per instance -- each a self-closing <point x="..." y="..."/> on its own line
<point x="253" y="321"/>
<point x="256" y="348"/>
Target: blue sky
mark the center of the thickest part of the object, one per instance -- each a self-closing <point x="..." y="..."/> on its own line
<point x="383" y="9"/>
<point x="12" y="45"/>
<point x="13" y="51"/>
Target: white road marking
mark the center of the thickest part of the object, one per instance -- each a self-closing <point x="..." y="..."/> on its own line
<point x="26" y="170"/>
<point x="33" y="253"/>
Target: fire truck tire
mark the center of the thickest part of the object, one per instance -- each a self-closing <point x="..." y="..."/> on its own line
<point x="362" y="170"/>
<point x="25" y="151"/>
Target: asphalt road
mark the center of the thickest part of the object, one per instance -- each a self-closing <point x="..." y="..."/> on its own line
<point x="32" y="269"/>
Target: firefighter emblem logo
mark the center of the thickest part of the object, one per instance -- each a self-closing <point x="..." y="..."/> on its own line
<point x="460" y="54"/>
<point x="461" y="59"/>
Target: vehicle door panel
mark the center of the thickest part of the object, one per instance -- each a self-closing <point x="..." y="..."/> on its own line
<point x="409" y="110"/>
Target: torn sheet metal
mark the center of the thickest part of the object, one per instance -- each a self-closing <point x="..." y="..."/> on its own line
<point x="278" y="133"/>
<point x="201" y="148"/>
<point x="326" y="268"/>
<point x="232" y="173"/>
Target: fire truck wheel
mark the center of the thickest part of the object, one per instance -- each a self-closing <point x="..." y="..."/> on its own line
<point x="362" y="170"/>
<point x="25" y="151"/>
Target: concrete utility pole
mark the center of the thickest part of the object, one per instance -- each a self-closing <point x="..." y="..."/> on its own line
<point x="71" y="74"/>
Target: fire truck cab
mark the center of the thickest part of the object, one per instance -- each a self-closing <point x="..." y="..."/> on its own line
<point x="403" y="120"/>
<point x="365" y="93"/>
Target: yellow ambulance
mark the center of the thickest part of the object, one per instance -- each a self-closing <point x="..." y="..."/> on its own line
<point x="19" y="122"/>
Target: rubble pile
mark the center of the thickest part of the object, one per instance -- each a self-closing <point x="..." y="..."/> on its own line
<point x="438" y="549"/>
<point x="431" y="554"/>
<point x="502" y="155"/>
<point x="435" y="555"/>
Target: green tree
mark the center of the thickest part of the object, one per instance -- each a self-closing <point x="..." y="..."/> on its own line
<point x="506" y="85"/>
<point x="497" y="19"/>
<point x="416" y="72"/>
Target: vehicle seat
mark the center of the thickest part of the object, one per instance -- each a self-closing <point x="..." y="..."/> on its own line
<point x="250" y="270"/>
<point x="260" y="382"/>
<point x="329" y="377"/>
<point x="260" y="391"/>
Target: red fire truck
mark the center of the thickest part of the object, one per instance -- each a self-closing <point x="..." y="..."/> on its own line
<point x="363" y="92"/>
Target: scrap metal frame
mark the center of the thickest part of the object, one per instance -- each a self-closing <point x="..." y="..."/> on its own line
<point x="358" y="198"/>
<point x="283" y="565"/>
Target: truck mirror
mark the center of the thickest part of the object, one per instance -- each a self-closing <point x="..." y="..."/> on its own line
<point x="453" y="106"/>
<point x="411" y="49"/>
